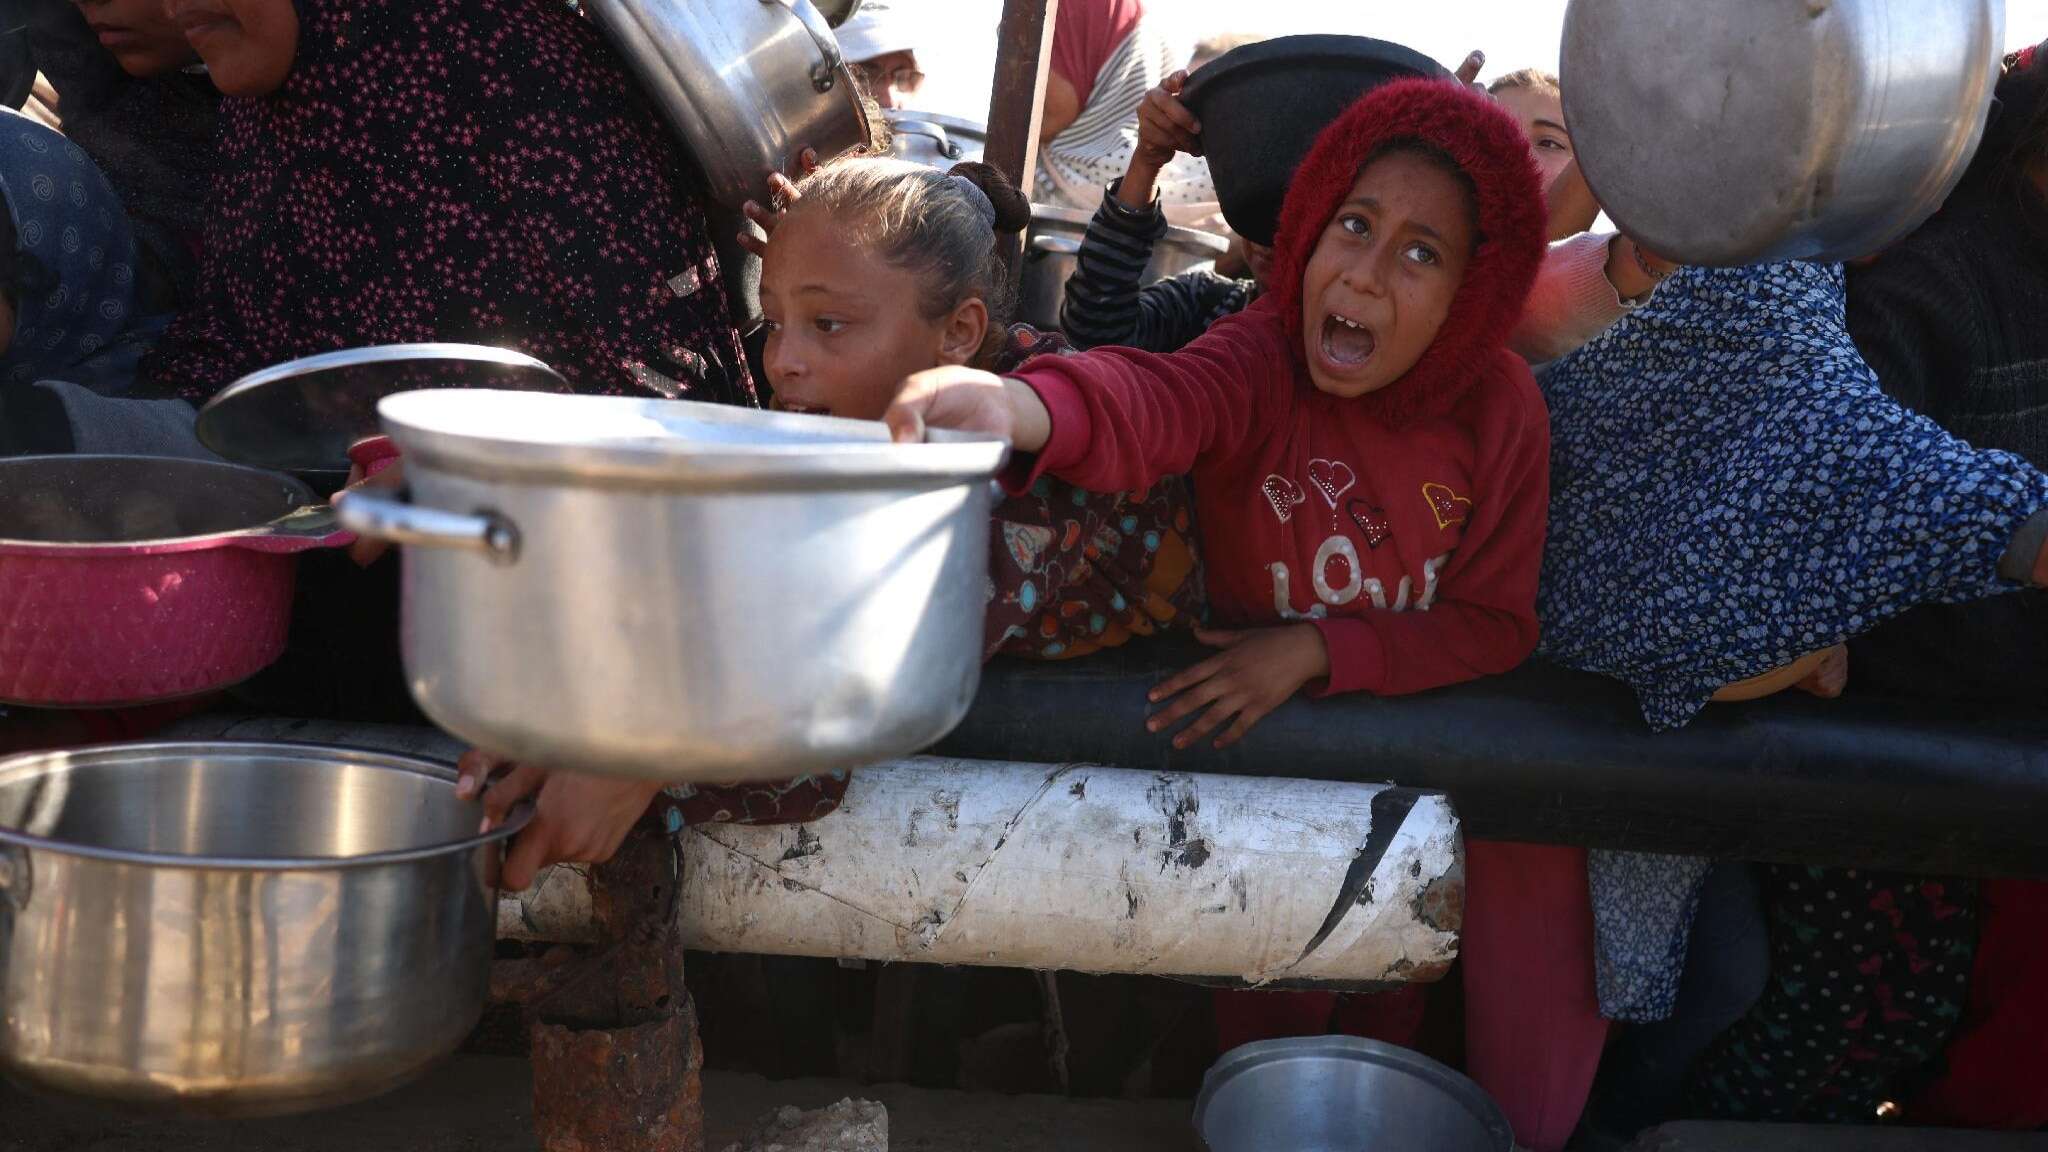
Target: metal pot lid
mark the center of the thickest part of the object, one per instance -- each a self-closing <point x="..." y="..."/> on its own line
<point x="302" y="415"/>
<point x="628" y="440"/>
<point x="116" y="503"/>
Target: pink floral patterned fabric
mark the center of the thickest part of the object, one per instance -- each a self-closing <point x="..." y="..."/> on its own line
<point x="473" y="170"/>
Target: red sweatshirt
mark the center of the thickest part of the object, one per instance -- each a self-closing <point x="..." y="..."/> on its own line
<point x="1407" y="524"/>
<point x="1414" y="550"/>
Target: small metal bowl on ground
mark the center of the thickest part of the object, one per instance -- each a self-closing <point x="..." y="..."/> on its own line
<point x="1343" y="1094"/>
<point x="238" y="929"/>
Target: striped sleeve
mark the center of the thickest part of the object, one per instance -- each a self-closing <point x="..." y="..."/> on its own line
<point x="1105" y="303"/>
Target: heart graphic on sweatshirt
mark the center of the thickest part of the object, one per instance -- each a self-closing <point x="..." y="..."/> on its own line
<point x="1332" y="478"/>
<point x="1449" y="507"/>
<point x="1284" y="495"/>
<point x="1371" y="520"/>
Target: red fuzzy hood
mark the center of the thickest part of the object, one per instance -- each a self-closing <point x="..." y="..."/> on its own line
<point x="1487" y="144"/>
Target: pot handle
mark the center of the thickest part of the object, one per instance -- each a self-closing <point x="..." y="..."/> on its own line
<point x="301" y="530"/>
<point x="376" y="516"/>
<point x="931" y="131"/>
<point x="1045" y="245"/>
<point x="825" y="72"/>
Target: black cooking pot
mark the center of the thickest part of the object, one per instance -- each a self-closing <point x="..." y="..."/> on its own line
<point x="1262" y="106"/>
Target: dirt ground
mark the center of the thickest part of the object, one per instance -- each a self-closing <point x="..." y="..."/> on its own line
<point x="480" y="1104"/>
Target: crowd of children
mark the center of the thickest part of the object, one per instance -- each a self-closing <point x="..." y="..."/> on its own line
<point x="1439" y="426"/>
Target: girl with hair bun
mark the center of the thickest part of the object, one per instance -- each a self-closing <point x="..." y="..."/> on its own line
<point x="877" y="269"/>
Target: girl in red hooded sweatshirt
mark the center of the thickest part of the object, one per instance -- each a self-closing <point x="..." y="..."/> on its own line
<point x="1371" y="466"/>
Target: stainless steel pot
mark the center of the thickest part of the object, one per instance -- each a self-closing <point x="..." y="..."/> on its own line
<point x="748" y="83"/>
<point x="237" y="929"/>
<point x="683" y="591"/>
<point x="1053" y="246"/>
<point x="932" y="140"/>
<point x="1728" y="132"/>
<point x="1343" y="1094"/>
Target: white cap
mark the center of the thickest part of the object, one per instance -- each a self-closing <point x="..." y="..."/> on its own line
<point x="878" y="28"/>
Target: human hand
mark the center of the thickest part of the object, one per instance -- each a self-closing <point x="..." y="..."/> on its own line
<point x="1634" y="270"/>
<point x="783" y="193"/>
<point x="1468" y="72"/>
<point x="1165" y="125"/>
<point x="968" y="400"/>
<point x="390" y="477"/>
<point x="1256" y="671"/>
<point x="576" y="816"/>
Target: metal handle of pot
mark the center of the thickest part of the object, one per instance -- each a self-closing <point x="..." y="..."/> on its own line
<point x="932" y="132"/>
<point x="1055" y="245"/>
<point x="825" y="73"/>
<point x="380" y="517"/>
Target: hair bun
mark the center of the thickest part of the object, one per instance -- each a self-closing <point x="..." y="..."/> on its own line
<point x="1013" y="211"/>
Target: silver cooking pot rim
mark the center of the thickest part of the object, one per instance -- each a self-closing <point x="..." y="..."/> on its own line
<point x="40" y="761"/>
<point x="676" y="442"/>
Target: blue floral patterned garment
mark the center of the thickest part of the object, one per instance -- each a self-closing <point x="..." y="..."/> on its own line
<point x="1730" y="490"/>
<point x="75" y="262"/>
<point x="1643" y="906"/>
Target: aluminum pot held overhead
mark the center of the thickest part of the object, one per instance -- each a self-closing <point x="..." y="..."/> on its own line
<point x="129" y="579"/>
<point x="749" y="84"/>
<point x="1052" y="249"/>
<point x="683" y="591"/>
<point x="1729" y="132"/>
<point x="238" y="929"/>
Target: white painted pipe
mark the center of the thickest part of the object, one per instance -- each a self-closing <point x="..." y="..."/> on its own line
<point x="1080" y="868"/>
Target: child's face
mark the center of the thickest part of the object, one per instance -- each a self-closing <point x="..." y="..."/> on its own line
<point x="1383" y="275"/>
<point x="843" y="324"/>
<point x="1541" y="116"/>
<point x="247" y="45"/>
<point x="139" y="35"/>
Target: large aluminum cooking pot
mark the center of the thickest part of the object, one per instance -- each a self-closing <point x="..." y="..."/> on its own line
<point x="1728" y="132"/>
<point x="932" y="140"/>
<point x="238" y="929"/>
<point x="748" y="83"/>
<point x="683" y="591"/>
<point x="1053" y="246"/>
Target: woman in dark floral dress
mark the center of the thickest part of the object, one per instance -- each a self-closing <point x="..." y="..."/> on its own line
<point x="471" y="170"/>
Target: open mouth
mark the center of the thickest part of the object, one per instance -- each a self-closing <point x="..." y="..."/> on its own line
<point x="798" y="407"/>
<point x="1346" y="342"/>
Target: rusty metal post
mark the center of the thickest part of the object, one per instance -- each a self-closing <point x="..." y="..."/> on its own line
<point x="617" y="1064"/>
<point x="1023" y="52"/>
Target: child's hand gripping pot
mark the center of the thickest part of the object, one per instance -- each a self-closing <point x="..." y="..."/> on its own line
<point x="1370" y="461"/>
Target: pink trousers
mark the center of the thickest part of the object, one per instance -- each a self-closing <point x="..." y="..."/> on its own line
<point x="1533" y="1029"/>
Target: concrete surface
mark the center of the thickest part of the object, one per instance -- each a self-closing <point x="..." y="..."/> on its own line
<point x="848" y="1126"/>
<point x="481" y="1104"/>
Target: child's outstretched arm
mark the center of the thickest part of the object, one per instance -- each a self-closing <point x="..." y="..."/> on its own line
<point x="1117" y="419"/>
<point x="1106" y="300"/>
